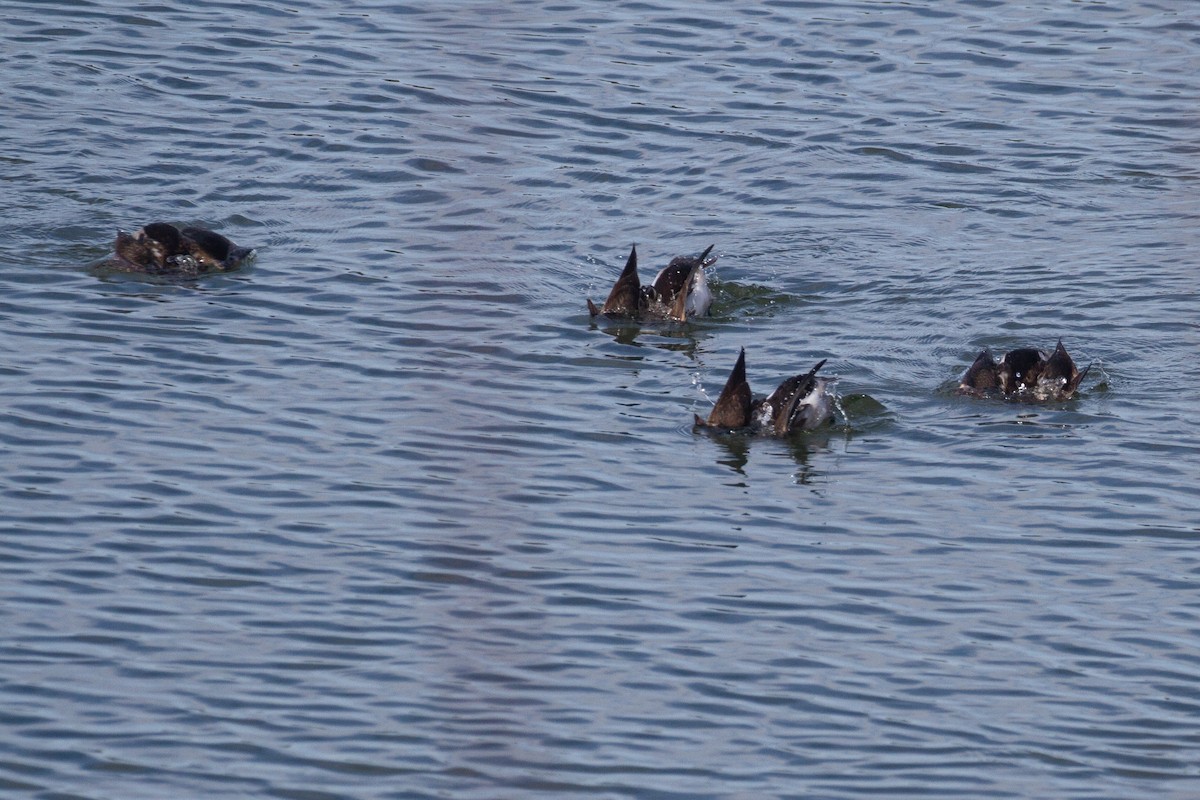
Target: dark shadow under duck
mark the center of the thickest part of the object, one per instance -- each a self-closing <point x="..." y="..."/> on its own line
<point x="160" y="248"/>
<point x="679" y="291"/>
<point x="1023" y="374"/>
<point x="801" y="402"/>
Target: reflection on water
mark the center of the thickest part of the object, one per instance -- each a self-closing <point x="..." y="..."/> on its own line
<point x="735" y="450"/>
<point x="679" y="337"/>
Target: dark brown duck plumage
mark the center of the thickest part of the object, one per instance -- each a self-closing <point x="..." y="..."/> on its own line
<point x="801" y="402"/>
<point x="1024" y="374"/>
<point x="212" y="251"/>
<point x="732" y="409"/>
<point x="160" y="248"/>
<point x="155" y="248"/>
<point x="679" y="291"/>
<point x="626" y="298"/>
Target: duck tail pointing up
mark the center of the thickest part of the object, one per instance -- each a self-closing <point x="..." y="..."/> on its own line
<point x="732" y="409"/>
<point x="625" y="296"/>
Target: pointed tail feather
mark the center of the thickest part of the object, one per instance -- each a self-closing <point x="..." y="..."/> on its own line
<point x="732" y="409"/>
<point x="626" y="292"/>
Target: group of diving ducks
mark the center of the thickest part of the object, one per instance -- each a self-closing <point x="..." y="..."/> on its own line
<point x="680" y="292"/>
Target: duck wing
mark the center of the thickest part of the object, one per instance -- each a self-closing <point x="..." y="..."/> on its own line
<point x="787" y="402"/>
<point x="674" y="283"/>
<point x="675" y="276"/>
<point x="679" y="306"/>
<point x="212" y="250"/>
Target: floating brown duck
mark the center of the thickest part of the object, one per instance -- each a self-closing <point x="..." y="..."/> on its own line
<point x="1024" y="374"/>
<point x="162" y="249"/>
<point x="680" y="291"/>
<point x="802" y="402"/>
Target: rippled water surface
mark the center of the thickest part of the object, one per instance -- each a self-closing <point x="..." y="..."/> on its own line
<point x="385" y="514"/>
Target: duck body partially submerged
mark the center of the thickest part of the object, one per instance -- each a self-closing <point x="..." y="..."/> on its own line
<point x="800" y="403"/>
<point x="679" y="292"/>
<point x="1023" y="374"/>
<point x="160" y="248"/>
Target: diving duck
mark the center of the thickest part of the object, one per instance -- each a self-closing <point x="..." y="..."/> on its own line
<point x="680" y="291"/>
<point x="801" y="403"/>
<point x="162" y="249"/>
<point x="1024" y="374"/>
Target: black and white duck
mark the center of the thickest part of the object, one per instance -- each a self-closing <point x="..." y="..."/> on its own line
<point x="679" y="292"/>
<point x="800" y="403"/>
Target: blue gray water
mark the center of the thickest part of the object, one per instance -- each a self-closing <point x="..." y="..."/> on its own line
<point x="387" y="515"/>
